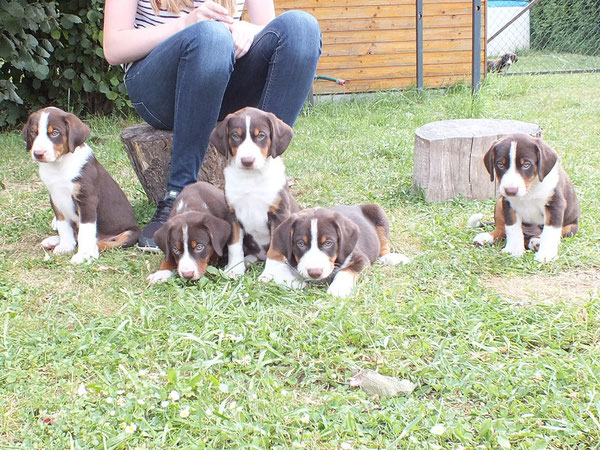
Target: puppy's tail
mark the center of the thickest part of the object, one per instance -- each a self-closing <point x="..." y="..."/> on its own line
<point x="475" y="221"/>
<point x="125" y="239"/>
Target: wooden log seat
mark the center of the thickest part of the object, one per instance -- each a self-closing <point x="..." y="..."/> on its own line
<point x="448" y="156"/>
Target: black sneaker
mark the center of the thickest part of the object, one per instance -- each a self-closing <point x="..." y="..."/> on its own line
<point x="163" y="209"/>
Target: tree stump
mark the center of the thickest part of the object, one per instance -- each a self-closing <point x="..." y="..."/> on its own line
<point x="149" y="151"/>
<point x="448" y="156"/>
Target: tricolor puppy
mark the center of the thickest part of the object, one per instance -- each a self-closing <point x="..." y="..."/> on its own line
<point x="255" y="183"/>
<point x="538" y="204"/>
<point x="196" y="233"/>
<point x="502" y="64"/>
<point x="91" y="211"/>
<point x="329" y="243"/>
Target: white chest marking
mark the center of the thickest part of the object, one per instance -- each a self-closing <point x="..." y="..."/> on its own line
<point x="531" y="206"/>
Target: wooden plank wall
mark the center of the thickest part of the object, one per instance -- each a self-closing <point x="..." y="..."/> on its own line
<point x="372" y="43"/>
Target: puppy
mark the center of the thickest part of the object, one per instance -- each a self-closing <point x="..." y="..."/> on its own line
<point x="538" y="204"/>
<point x="329" y="243"/>
<point x="502" y="64"/>
<point x="195" y="234"/>
<point x="255" y="183"/>
<point x="87" y="202"/>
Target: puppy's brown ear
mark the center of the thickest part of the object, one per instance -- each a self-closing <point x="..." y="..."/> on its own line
<point x="347" y="232"/>
<point x="28" y="134"/>
<point x="161" y="238"/>
<point x="281" y="135"/>
<point x="219" y="230"/>
<point x="219" y="138"/>
<point x="489" y="159"/>
<point x="547" y="158"/>
<point x="281" y="240"/>
<point x="77" y="131"/>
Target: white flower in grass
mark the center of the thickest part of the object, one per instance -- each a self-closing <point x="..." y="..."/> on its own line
<point x="81" y="390"/>
<point x="130" y="429"/>
<point x="109" y="400"/>
<point x="141" y="401"/>
<point x="305" y="418"/>
<point x="346" y="446"/>
<point x="438" y="429"/>
<point x="143" y="372"/>
<point x="174" y="396"/>
<point x="224" y="388"/>
<point x="209" y="411"/>
<point x="164" y="403"/>
<point x="112" y="413"/>
<point x="121" y="401"/>
<point x="184" y="412"/>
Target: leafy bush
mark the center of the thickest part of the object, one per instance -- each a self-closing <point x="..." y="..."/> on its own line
<point x="572" y="27"/>
<point x="51" y="54"/>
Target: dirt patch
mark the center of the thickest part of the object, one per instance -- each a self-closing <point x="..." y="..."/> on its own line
<point x="574" y="287"/>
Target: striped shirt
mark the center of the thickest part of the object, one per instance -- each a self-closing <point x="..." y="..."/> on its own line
<point x="145" y="17"/>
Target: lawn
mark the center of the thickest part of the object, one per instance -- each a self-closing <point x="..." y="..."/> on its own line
<point x="504" y="352"/>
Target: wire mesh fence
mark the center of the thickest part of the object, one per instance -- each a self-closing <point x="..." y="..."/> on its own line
<point x="543" y="35"/>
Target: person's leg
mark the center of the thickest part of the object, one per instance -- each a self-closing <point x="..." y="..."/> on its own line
<point x="179" y="86"/>
<point x="277" y="72"/>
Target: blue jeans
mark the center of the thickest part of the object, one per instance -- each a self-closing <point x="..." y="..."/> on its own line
<point x="192" y="79"/>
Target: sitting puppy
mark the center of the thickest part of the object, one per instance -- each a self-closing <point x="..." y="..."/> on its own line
<point x="502" y="64"/>
<point x="255" y="183"/>
<point x="86" y="201"/>
<point x="323" y="243"/>
<point x="538" y="204"/>
<point x="195" y="234"/>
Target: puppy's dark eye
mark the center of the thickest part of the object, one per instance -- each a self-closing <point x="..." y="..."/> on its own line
<point x="526" y="165"/>
<point x="261" y="136"/>
<point x="235" y="137"/>
<point x="328" y="243"/>
<point x="198" y="248"/>
<point x="500" y="165"/>
<point x="54" y="133"/>
<point x="300" y="243"/>
<point x="176" y="250"/>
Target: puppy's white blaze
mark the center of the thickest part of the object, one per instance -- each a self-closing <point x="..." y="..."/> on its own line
<point x="511" y="178"/>
<point x="342" y="285"/>
<point x="248" y="149"/>
<point x="314" y="258"/>
<point x="549" y="241"/>
<point x="187" y="263"/>
<point x="42" y="140"/>
<point x="280" y="273"/>
<point x="87" y="243"/>
<point x="66" y="235"/>
<point x="515" y="242"/>
<point x="160" y="276"/>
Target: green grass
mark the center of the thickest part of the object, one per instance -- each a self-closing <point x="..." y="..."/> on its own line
<point x="89" y="355"/>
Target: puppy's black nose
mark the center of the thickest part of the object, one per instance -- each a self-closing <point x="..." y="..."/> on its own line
<point x="38" y="153"/>
<point x="187" y="274"/>
<point x="315" y="273"/>
<point x="511" y="191"/>
<point x="247" y="161"/>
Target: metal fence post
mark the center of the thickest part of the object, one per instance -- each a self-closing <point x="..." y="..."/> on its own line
<point x="419" y="18"/>
<point x="476" y="57"/>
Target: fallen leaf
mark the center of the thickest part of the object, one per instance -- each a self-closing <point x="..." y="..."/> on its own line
<point x="374" y="383"/>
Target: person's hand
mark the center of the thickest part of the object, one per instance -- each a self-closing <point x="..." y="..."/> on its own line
<point x="208" y="10"/>
<point x="243" y="34"/>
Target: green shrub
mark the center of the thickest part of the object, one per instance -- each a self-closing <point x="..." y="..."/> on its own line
<point x="561" y="26"/>
<point x="51" y="54"/>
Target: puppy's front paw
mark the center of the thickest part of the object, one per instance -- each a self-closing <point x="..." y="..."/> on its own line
<point x="159" y="276"/>
<point x="544" y="255"/>
<point x="64" y="248"/>
<point x="393" y="259"/>
<point x="534" y="244"/>
<point x="515" y="251"/>
<point x="483" y="238"/>
<point x="81" y="257"/>
<point x="50" y="243"/>
<point x="342" y="285"/>
<point x="235" y="270"/>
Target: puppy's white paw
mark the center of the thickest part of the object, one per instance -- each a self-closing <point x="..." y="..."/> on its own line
<point x="235" y="270"/>
<point x="515" y="251"/>
<point x="475" y="221"/>
<point x="280" y="273"/>
<point x="534" y="243"/>
<point x="64" y="248"/>
<point x="342" y="285"/>
<point x="483" y="238"/>
<point x="81" y="257"/>
<point x="50" y="242"/>
<point x="160" y="276"/>
<point x="393" y="259"/>
<point x="544" y="255"/>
